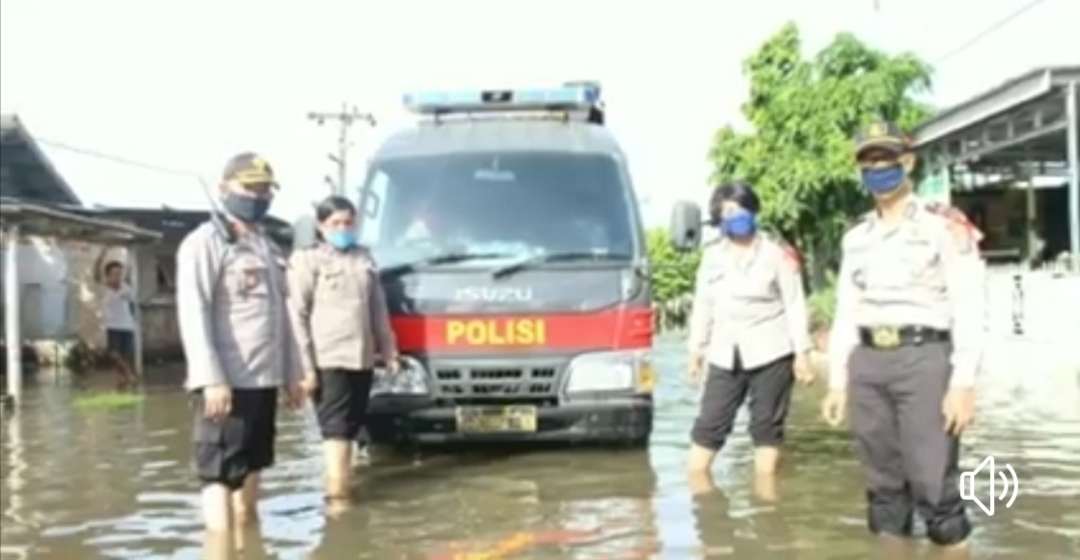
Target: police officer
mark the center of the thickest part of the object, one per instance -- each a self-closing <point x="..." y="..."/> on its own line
<point x="749" y="327"/>
<point x="238" y="342"/>
<point x="906" y="343"/>
<point x="341" y="322"/>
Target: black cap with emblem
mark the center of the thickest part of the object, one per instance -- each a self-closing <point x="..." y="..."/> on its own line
<point x="249" y="168"/>
<point x="881" y="135"/>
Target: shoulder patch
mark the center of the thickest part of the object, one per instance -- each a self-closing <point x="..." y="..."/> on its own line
<point x="789" y="254"/>
<point x="367" y="256"/>
<point x="964" y="233"/>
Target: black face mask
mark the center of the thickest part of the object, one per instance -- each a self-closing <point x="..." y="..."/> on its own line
<point x="247" y="208"/>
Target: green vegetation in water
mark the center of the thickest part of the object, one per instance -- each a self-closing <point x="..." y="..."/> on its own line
<point x="108" y="401"/>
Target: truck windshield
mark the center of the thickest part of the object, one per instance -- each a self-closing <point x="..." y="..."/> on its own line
<point x="491" y="208"/>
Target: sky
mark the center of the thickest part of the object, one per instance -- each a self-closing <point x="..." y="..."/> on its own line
<point x="186" y="85"/>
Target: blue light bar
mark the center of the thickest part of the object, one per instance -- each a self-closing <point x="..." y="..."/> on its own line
<point x="570" y="97"/>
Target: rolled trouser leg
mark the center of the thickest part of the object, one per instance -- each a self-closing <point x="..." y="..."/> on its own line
<point x="770" y="398"/>
<point x="877" y="441"/>
<point x="725" y="391"/>
<point x="930" y="454"/>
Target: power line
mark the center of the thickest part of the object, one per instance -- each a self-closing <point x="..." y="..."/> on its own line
<point x="345" y="119"/>
<point x="115" y="159"/>
<point x="997" y="25"/>
<point x="215" y="219"/>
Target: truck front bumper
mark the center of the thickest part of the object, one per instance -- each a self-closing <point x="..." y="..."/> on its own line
<point x="397" y="420"/>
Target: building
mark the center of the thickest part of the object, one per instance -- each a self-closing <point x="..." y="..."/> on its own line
<point x="1010" y="158"/>
<point x="47" y="281"/>
<point x="53" y="246"/>
<point x="157" y="268"/>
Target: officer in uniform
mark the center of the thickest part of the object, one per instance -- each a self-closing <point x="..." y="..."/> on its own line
<point x="238" y="342"/>
<point x="906" y="343"/>
<point x="748" y="335"/>
<point x="341" y="321"/>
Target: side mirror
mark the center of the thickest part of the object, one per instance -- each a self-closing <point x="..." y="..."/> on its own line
<point x="685" y="226"/>
<point x="304" y="229"/>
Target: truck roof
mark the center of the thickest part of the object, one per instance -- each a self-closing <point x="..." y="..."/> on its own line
<point x="503" y="135"/>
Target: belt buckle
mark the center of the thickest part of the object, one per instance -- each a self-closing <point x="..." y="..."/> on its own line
<point x="885" y="337"/>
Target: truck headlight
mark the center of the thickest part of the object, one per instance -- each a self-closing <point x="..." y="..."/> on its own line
<point x="611" y="371"/>
<point x="411" y="379"/>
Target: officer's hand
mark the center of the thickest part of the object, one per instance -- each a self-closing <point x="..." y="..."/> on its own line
<point x="309" y="384"/>
<point x="959" y="410"/>
<point x="804" y="372"/>
<point x="217" y="401"/>
<point x="393" y="365"/>
<point x="834" y="407"/>
<point x="696" y="370"/>
<point x="294" y="395"/>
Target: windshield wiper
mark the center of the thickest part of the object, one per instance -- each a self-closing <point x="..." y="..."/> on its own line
<point x="547" y="258"/>
<point x="447" y="258"/>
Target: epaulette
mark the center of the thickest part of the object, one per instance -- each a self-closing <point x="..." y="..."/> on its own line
<point x="222" y="227"/>
<point x="791" y="254"/>
<point x="964" y="233"/>
<point x="955" y="217"/>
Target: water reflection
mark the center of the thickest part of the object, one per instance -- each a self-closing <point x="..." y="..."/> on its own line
<point x="117" y="484"/>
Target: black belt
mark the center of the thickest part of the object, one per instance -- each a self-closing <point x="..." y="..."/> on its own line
<point x="886" y="337"/>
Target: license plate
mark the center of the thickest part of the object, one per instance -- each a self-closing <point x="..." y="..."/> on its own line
<point x="495" y="419"/>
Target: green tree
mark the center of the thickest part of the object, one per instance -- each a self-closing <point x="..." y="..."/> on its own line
<point x="672" y="278"/>
<point x="804" y="113"/>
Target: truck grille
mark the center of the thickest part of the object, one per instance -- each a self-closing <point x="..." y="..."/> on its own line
<point x="493" y="384"/>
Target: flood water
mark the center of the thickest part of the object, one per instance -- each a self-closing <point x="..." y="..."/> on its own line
<point x="117" y="484"/>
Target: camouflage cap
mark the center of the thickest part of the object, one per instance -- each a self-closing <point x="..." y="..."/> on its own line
<point x="249" y="168"/>
<point x="881" y="134"/>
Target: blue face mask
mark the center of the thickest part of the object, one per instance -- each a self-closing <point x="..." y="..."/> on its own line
<point x="342" y="239"/>
<point x="883" y="180"/>
<point x="740" y="224"/>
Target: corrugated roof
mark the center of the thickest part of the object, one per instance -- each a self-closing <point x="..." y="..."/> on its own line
<point x="989" y="104"/>
<point x="25" y="171"/>
<point x="40" y="219"/>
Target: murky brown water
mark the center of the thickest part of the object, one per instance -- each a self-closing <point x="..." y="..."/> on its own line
<point x="117" y="484"/>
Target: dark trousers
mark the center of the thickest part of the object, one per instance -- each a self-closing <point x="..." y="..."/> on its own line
<point x="341" y="401"/>
<point x="242" y="443"/>
<point x="769" y="389"/>
<point x="121" y="342"/>
<point x="909" y="459"/>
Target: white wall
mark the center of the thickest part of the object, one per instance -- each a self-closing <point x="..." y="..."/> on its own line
<point x="43" y="294"/>
<point x="1045" y="308"/>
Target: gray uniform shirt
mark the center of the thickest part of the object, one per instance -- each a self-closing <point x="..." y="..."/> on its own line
<point x="338" y="308"/>
<point x="754" y="302"/>
<point x="233" y="319"/>
<point x="926" y="271"/>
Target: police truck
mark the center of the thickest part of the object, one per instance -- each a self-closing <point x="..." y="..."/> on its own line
<point x="511" y="251"/>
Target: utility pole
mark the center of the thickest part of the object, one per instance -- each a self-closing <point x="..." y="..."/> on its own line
<point x="345" y="119"/>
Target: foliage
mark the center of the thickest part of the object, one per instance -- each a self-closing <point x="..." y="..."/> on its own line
<point x="672" y="279"/>
<point x="672" y="270"/>
<point x="804" y="113"/>
<point x="821" y="304"/>
<point x="81" y="357"/>
<point x="108" y="401"/>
